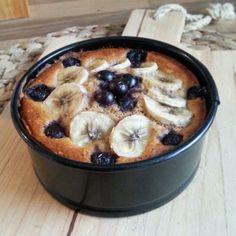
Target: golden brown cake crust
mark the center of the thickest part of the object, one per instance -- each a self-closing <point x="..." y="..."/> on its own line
<point x="36" y="117"/>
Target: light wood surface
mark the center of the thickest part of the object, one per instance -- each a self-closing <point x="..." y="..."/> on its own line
<point x="207" y="207"/>
<point x="10" y="9"/>
<point x="54" y="15"/>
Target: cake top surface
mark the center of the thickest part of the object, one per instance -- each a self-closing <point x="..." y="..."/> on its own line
<point x="113" y="105"/>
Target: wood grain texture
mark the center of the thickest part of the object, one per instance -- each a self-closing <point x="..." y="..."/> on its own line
<point x="134" y="23"/>
<point x="10" y="9"/>
<point x="207" y="207"/>
<point x="151" y="29"/>
<point x="25" y="208"/>
<point x="54" y="15"/>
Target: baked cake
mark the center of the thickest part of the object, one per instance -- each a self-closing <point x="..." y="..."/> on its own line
<point x="113" y="105"/>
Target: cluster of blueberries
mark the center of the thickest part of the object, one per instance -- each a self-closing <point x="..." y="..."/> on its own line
<point x="117" y="88"/>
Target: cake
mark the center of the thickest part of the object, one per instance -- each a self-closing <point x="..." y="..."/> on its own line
<point x="113" y="105"/>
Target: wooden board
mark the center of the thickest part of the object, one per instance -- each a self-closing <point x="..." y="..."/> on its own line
<point x="59" y="14"/>
<point x="10" y="9"/>
<point x="207" y="207"/>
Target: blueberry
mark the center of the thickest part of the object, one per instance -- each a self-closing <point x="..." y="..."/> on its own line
<point x="118" y="87"/>
<point x="136" y="56"/>
<point x="130" y="80"/>
<point x="104" y="85"/>
<point x="54" y="130"/>
<point x="71" y="61"/>
<point x="105" y="98"/>
<point x="38" y="92"/>
<point x="102" y="159"/>
<point x="195" y="92"/>
<point x="127" y="103"/>
<point x="172" y="138"/>
<point x="105" y="75"/>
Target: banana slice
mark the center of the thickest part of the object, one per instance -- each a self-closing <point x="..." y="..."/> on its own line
<point x="121" y="65"/>
<point x="179" y="117"/>
<point x="72" y="74"/>
<point x="147" y="68"/>
<point x="168" y="82"/>
<point x="158" y="95"/>
<point x="129" y="137"/>
<point x="67" y="100"/>
<point x="98" y="65"/>
<point x="89" y="126"/>
<point x="163" y="82"/>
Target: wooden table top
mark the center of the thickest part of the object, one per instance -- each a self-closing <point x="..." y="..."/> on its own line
<point x="207" y="207"/>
